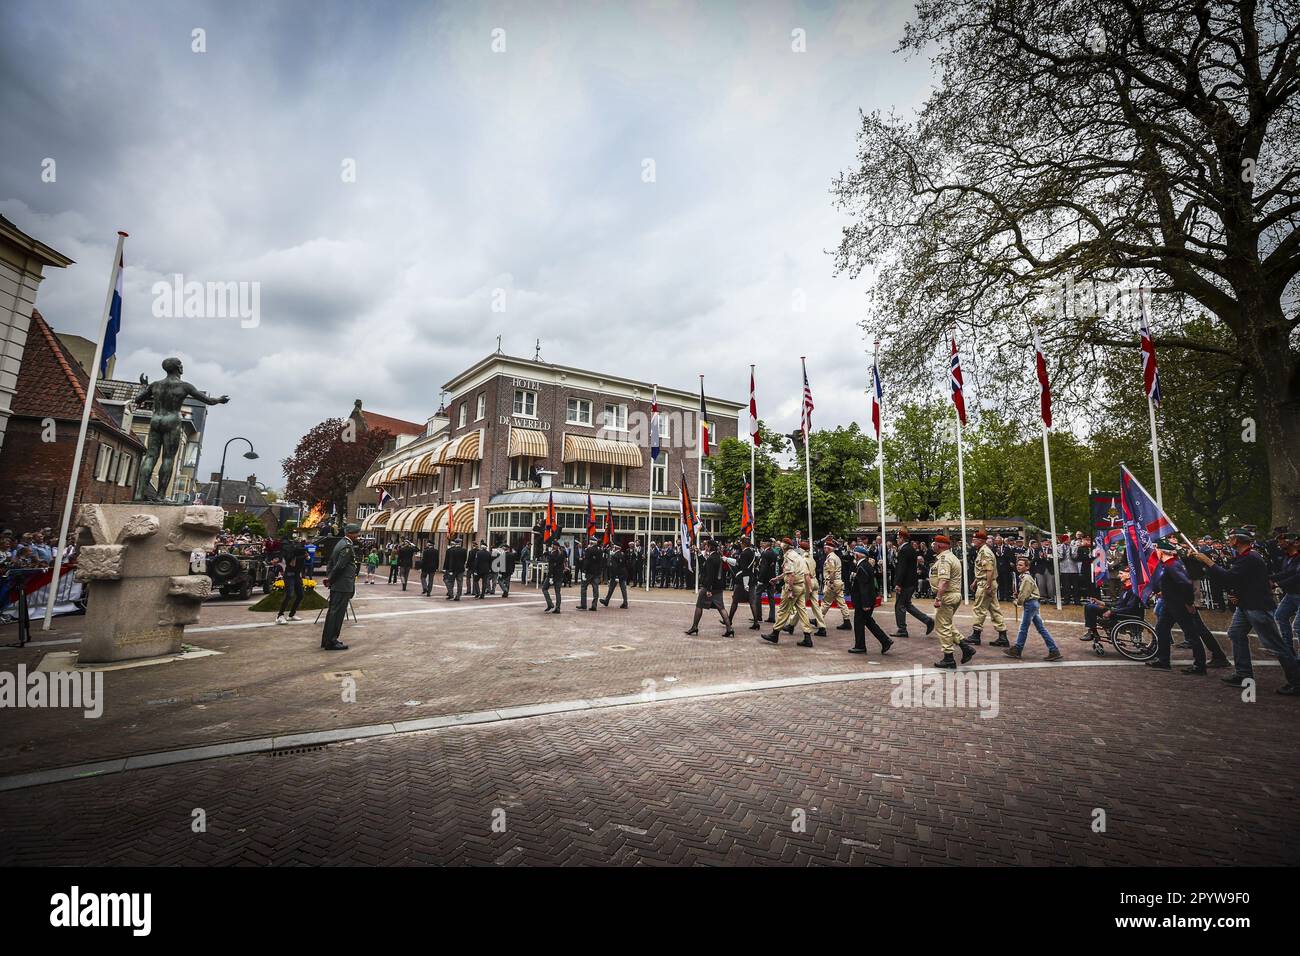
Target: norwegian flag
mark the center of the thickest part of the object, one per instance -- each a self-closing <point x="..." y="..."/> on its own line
<point x="877" y="397"/>
<point x="385" y="499"/>
<point x="805" y="422"/>
<point x="956" y="382"/>
<point x="1150" y="374"/>
<point x="1044" y="390"/>
<point x="1144" y="521"/>
<point x="753" y="409"/>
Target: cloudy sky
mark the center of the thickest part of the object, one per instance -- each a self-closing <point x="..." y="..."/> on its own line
<point x="522" y="170"/>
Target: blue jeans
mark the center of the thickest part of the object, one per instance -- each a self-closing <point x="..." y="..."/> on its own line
<point x="1269" y="636"/>
<point x="1288" y="610"/>
<point x="1030" y="613"/>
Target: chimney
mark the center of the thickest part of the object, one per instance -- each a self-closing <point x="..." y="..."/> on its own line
<point x="252" y="481"/>
<point x="215" y="477"/>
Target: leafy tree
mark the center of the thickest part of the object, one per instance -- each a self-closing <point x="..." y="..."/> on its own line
<point x="1076" y="145"/>
<point x="841" y="478"/>
<point x="731" y="471"/>
<point x="239" y="522"/>
<point x="325" y="466"/>
<point x="921" y="461"/>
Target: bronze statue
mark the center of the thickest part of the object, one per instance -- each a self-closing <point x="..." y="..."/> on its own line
<point x="167" y="396"/>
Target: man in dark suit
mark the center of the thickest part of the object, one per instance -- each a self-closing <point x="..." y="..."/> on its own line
<point x="482" y="570"/>
<point x="557" y="565"/>
<point x="341" y="579"/>
<point x="592" y="563"/>
<point x="742" y="583"/>
<point x="710" y="593"/>
<point x="862" y="591"/>
<point x="405" y="557"/>
<point x="767" y="564"/>
<point x="453" y="568"/>
<point x="905" y="586"/>
<point x="618" y="568"/>
<point x="428" y="566"/>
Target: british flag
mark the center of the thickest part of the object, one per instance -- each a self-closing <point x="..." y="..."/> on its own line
<point x="955" y="377"/>
<point x="1144" y="522"/>
<point x="1150" y="373"/>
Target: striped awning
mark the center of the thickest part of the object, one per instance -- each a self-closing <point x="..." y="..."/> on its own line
<point x="403" y="471"/>
<point x="432" y="521"/>
<point x="528" y="441"/>
<point x="409" y="519"/>
<point x="464" y="517"/>
<point x="376" y="519"/>
<point x="376" y="478"/>
<point x="426" y="465"/>
<point x="466" y="448"/>
<point x="399" y="516"/>
<point x="601" y="451"/>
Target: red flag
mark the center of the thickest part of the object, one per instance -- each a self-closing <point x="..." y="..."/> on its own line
<point x="704" y="423"/>
<point x="753" y="409"/>
<point x="608" y="537"/>
<point x="688" y="515"/>
<point x="746" y="515"/>
<point x="1044" y="391"/>
<point x="552" y="526"/>
<point x="591" y="518"/>
<point x="956" y="382"/>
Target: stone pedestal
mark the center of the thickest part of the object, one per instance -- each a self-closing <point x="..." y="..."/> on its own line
<point x="135" y="559"/>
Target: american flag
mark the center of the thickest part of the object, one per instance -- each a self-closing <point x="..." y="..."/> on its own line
<point x="1044" y="391"/>
<point x="1150" y="374"/>
<point x="806" y="420"/>
<point x="753" y="409"/>
<point x="877" y="396"/>
<point x="955" y="376"/>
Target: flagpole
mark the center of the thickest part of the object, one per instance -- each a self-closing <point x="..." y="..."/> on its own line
<point x="807" y="460"/>
<point x="1151" y="407"/>
<point x="880" y="453"/>
<point x="650" y="522"/>
<point x="753" y="448"/>
<point x="1051" y="520"/>
<point x="81" y="436"/>
<point x="961" y="495"/>
<point x="699" y="479"/>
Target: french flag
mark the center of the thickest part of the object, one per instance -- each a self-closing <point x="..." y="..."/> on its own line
<point x="955" y="377"/>
<point x="877" y="397"/>
<point x="114" y="321"/>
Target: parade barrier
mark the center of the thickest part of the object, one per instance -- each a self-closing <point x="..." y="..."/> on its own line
<point x="25" y="594"/>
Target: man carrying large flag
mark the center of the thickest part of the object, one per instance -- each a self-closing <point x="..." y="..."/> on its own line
<point x="1145" y="523"/>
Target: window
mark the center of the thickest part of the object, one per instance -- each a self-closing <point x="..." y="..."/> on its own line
<point x="473" y="474"/>
<point x="706" y="483"/>
<point x="437" y="483"/>
<point x="464" y="407"/>
<point x="104" y="463"/>
<point x="579" y="412"/>
<point x="575" y="473"/>
<point x="616" y="417"/>
<point x="665" y="428"/>
<point x="480" y="407"/>
<point x="612" y="476"/>
<point x="124" y="469"/>
<point x="521" y="468"/>
<point x="659" y="472"/>
<point x="525" y="403"/>
<point x="243" y="499"/>
<point x="455" y="476"/>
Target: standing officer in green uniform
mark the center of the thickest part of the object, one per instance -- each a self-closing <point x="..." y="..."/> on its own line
<point x="341" y="579"/>
<point x="986" y="591"/>
<point x="945" y="578"/>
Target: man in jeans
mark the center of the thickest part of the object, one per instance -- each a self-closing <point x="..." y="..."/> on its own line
<point x="1288" y="579"/>
<point x="1247" y="578"/>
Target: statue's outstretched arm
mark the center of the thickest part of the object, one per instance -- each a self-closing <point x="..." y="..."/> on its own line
<point x="206" y="398"/>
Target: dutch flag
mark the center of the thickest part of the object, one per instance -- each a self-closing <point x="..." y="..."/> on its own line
<point x="114" y="322"/>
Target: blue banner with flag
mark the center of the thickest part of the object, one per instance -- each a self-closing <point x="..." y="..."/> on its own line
<point x="1144" y="522"/>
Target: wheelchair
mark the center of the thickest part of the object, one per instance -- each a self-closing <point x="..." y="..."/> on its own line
<point x="1133" y="637"/>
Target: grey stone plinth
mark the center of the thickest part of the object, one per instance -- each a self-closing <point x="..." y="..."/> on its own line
<point x="135" y="559"/>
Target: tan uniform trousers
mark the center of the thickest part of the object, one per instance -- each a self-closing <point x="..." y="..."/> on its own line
<point x="986" y="605"/>
<point x="792" y="606"/>
<point x="943" y="626"/>
<point x="833" y="593"/>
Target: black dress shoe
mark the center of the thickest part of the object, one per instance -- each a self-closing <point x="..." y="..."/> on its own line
<point x="622" y="607"/>
<point x="755" y="626"/>
<point x="1194" y="669"/>
<point x="820" y="632"/>
<point x="336" y="646"/>
<point x="772" y="638"/>
<point x="1236" y="680"/>
<point x="730" y="633"/>
<point x="884" y="649"/>
<point x="1219" y="662"/>
<point x="1001" y="641"/>
<point x="845" y="626"/>
<point x="694" y="630"/>
<point x="857" y="650"/>
<point x="1289" y="690"/>
<point x="929" y="626"/>
<point x="899" y="634"/>
<point x="806" y="642"/>
<point x="604" y="602"/>
<point x="1158" y="665"/>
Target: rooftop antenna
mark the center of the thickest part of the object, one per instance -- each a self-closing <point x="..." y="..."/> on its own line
<point x="537" y="351"/>
<point x="498" y="345"/>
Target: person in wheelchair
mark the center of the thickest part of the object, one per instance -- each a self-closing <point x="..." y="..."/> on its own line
<point x="1097" y="612"/>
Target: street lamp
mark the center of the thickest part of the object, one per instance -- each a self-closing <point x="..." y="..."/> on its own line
<point x="221" y="475"/>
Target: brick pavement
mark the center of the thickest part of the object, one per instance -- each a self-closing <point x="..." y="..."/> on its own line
<point x="429" y="658"/>
<point x="1185" y="776"/>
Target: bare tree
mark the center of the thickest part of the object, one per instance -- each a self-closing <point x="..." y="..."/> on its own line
<point x="1094" y="145"/>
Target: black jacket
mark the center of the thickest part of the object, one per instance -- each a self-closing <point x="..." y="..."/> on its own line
<point x="404" y="555"/>
<point x="455" y="560"/>
<point x="592" y="560"/>
<point x="862" y="589"/>
<point x="1247" y="577"/>
<point x="429" y="560"/>
<point x="767" y="565"/>
<point x="711" y="573"/>
<point x="905" y="567"/>
<point x="618" y="564"/>
<point x="556" y="562"/>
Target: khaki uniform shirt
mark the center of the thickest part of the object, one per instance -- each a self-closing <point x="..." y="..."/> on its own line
<point x="946" y="568"/>
<point x="985" y="562"/>
<point x="831" y="569"/>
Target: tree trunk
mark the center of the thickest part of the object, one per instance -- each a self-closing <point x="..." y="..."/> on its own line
<point x="1276" y="375"/>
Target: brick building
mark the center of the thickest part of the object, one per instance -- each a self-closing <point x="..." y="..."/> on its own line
<point x="48" y="401"/>
<point x="362" y="500"/>
<point x="516" y="430"/>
